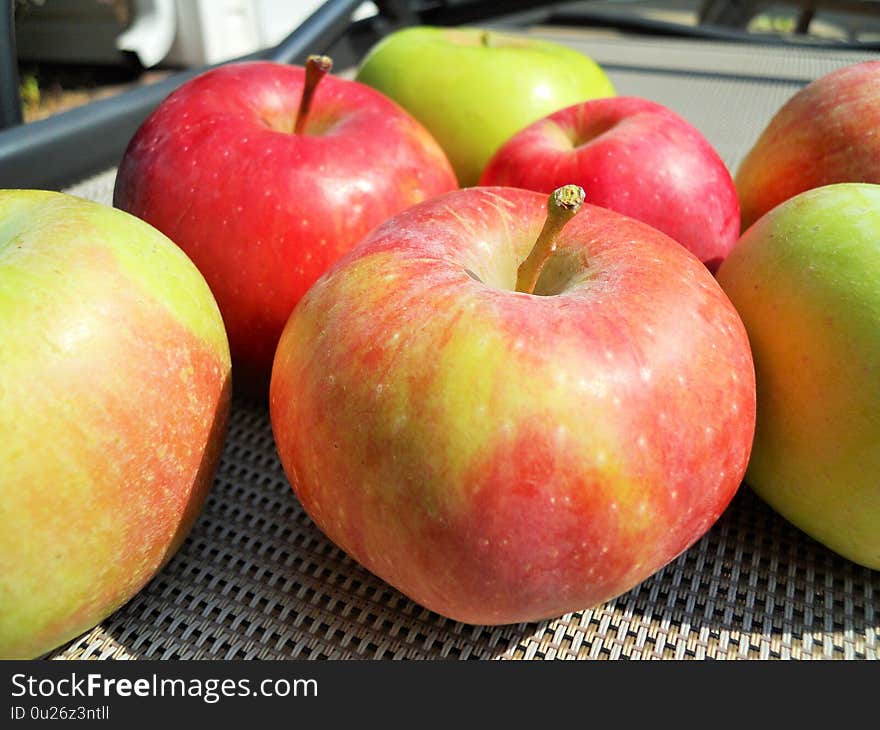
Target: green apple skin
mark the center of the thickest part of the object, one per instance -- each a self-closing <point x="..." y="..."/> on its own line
<point x="114" y="394"/>
<point x="474" y="95"/>
<point x="805" y="279"/>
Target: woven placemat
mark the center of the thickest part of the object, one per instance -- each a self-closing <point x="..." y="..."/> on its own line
<point x="257" y="580"/>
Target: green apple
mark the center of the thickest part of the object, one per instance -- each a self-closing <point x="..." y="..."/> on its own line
<point x="805" y="279"/>
<point x="114" y="394"/>
<point x="473" y="89"/>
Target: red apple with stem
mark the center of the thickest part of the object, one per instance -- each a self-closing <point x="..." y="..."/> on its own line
<point x="633" y="156"/>
<point x="503" y="453"/>
<point x="264" y="178"/>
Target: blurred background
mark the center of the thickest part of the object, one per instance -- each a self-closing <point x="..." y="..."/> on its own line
<point x="69" y="52"/>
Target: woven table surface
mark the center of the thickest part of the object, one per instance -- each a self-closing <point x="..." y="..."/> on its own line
<point x="257" y="580"/>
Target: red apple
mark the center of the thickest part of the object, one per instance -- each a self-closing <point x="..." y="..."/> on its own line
<point x="633" y="156"/>
<point x="262" y="209"/>
<point x="826" y="133"/>
<point x="501" y="456"/>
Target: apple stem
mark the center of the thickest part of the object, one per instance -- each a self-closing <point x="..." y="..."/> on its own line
<point x="562" y="205"/>
<point x="316" y="68"/>
<point x="484" y="39"/>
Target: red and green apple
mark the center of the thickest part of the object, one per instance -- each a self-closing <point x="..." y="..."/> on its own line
<point x="264" y="180"/>
<point x="504" y="436"/>
<point x="474" y="88"/>
<point x="633" y="156"/>
<point x="826" y="133"/>
<point x="806" y="280"/>
<point x="114" y="394"/>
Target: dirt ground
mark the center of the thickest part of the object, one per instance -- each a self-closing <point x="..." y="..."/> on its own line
<point x="47" y="89"/>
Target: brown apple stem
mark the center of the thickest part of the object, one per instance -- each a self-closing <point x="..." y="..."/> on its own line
<point x="316" y="68"/>
<point x="562" y="205"/>
<point x="485" y="39"/>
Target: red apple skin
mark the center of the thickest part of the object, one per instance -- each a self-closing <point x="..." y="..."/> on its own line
<point x="635" y="157"/>
<point x="503" y="457"/>
<point x="263" y="212"/>
<point x="826" y="133"/>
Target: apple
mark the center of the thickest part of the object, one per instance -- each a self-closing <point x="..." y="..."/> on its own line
<point x="474" y="88"/>
<point x="264" y="179"/>
<point x="806" y="281"/>
<point x="826" y="133"/>
<point x="114" y="395"/>
<point x="499" y="455"/>
<point x="633" y="156"/>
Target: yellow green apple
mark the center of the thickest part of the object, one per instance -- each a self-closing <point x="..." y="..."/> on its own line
<point x="114" y="393"/>
<point x="473" y="88"/>
<point x="805" y="279"/>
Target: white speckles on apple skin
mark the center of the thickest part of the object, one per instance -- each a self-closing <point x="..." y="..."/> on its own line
<point x="215" y="139"/>
<point x="530" y="160"/>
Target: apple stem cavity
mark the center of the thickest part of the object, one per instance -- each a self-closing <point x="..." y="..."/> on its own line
<point x="316" y="68"/>
<point x="562" y="205"/>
